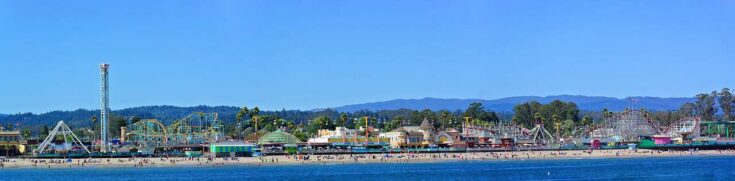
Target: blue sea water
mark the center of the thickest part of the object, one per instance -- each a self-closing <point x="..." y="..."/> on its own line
<point x="687" y="168"/>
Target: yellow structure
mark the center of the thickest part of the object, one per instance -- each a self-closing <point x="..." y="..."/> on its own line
<point x="424" y="135"/>
<point x="11" y="143"/>
<point x="402" y="138"/>
<point x="123" y="129"/>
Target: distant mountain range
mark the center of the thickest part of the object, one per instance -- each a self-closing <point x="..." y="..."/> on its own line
<point x="591" y="103"/>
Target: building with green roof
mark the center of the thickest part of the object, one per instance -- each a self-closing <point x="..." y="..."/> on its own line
<point x="278" y="137"/>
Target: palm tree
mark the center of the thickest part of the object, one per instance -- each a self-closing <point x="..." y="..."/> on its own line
<point x="254" y="116"/>
<point x="240" y="114"/>
<point x="373" y="121"/>
<point x="445" y="117"/>
<point x="557" y="123"/>
<point x="343" y="119"/>
<point x="26" y="133"/>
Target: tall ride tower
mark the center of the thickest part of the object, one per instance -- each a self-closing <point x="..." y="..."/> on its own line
<point x="105" y="106"/>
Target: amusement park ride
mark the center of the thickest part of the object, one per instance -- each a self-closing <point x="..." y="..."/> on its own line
<point x="537" y="135"/>
<point x="68" y="136"/>
<point x="629" y="125"/>
<point x="196" y="128"/>
<point x="541" y="136"/>
<point x="683" y="128"/>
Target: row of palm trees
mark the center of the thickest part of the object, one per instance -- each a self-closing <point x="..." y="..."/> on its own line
<point x="253" y="114"/>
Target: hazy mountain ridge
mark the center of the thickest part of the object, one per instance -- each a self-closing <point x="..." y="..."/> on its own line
<point x="592" y="103"/>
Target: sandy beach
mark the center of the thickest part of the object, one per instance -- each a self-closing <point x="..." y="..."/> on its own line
<point x="349" y="159"/>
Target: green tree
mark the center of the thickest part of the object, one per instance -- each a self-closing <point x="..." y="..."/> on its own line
<point x="538" y="118"/>
<point x="402" y="121"/>
<point x="360" y="123"/>
<point x="241" y="114"/>
<point x="254" y="116"/>
<point x="523" y="114"/>
<point x="94" y="120"/>
<point x="135" y="119"/>
<point x="44" y="131"/>
<point x="280" y="123"/>
<point x="414" y="120"/>
<point x="586" y="120"/>
<point x="238" y="121"/>
<point x="492" y="117"/>
<point x="570" y="111"/>
<point x="290" y="125"/>
<point x="116" y="122"/>
<point x="563" y="110"/>
<point x="26" y="133"/>
<point x="475" y="111"/>
<point x="393" y="124"/>
<point x="555" y="121"/>
<point x="666" y="117"/>
<point x="321" y="122"/>
<point x="343" y="119"/>
<point x="300" y="135"/>
<point x="726" y="103"/>
<point x="706" y="106"/>
<point x="687" y="109"/>
<point x="444" y="118"/>
<point x="94" y="126"/>
<point x="529" y="113"/>
<point x="568" y="127"/>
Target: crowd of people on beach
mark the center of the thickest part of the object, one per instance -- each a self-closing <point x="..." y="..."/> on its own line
<point x="414" y="157"/>
<point x="345" y="158"/>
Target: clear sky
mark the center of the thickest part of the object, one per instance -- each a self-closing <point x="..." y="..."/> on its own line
<point x="316" y="54"/>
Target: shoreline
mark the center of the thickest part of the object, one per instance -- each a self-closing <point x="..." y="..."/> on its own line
<point x="396" y="158"/>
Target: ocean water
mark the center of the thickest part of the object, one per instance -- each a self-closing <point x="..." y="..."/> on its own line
<point x="689" y="168"/>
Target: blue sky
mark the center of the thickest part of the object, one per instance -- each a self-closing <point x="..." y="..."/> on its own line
<point x="315" y="54"/>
